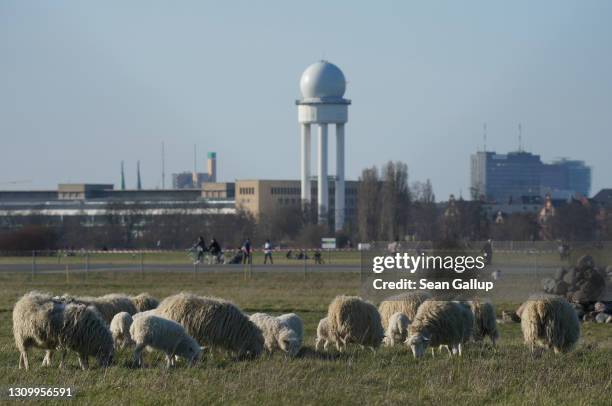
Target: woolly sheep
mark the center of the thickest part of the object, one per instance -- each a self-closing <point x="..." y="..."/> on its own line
<point x="407" y="303"/>
<point x="397" y="329"/>
<point x="277" y="336"/>
<point x="353" y="320"/>
<point x="164" y="335"/>
<point x="439" y="323"/>
<point x="144" y="302"/>
<point x="294" y="323"/>
<point x="213" y="322"/>
<point x="107" y="305"/>
<point x="550" y="322"/>
<point x="120" y="329"/>
<point x="37" y="321"/>
<point x="85" y="332"/>
<point x="485" y="322"/>
<point x="323" y="334"/>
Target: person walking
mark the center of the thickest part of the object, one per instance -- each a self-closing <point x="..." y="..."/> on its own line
<point x="246" y="249"/>
<point x="268" y="252"/>
<point x="215" y="250"/>
<point x="200" y="248"/>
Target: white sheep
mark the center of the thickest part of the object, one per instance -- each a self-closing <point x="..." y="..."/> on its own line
<point x="397" y="329"/>
<point x="353" y="320"/>
<point x="550" y="322"/>
<point x="120" y="329"/>
<point x="439" y="323"/>
<point x="277" y="336"/>
<point x="294" y="323"/>
<point x="164" y="335"/>
<point x="37" y="321"/>
<point x="214" y="322"/>
<point x="323" y="334"/>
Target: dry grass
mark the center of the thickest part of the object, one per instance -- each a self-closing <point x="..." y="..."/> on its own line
<point x="506" y="375"/>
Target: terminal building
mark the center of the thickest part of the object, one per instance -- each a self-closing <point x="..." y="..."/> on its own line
<point x="95" y="204"/>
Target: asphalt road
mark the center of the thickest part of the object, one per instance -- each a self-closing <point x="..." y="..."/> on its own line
<point x="60" y="268"/>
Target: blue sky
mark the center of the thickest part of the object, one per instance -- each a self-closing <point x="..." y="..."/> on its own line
<point x="84" y="86"/>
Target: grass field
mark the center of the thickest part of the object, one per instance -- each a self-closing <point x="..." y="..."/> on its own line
<point x="505" y="375"/>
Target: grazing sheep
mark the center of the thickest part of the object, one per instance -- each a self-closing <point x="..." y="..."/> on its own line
<point x="550" y="322"/>
<point x="152" y="312"/>
<point x="144" y="302"/>
<point x="485" y="322"/>
<point x="213" y="322"/>
<point x="107" y="305"/>
<point x="407" y="303"/>
<point x="353" y="320"/>
<point x="323" y="334"/>
<point x="85" y="332"/>
<point x="164" y="335"/>
<point x="397" y="329"/>
<point x="277" y="336"/>
<point x="37" y="321"/>
<point x="294" y="323"/>
<point x="440" y="323"/>
<point x="120" y="329"/>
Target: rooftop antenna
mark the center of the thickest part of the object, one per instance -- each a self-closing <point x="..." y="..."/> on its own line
<point x="520" y="137"/>
<point x="138" y="181"/>
<point x="163" y="165"/>
<point x="195" y="158"/>
<point x="122" y="177"/>
<point x="194" y="174"/>
<point x="484" y="136"/>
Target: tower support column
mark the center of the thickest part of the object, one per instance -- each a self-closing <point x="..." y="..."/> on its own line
<point x="305" y="155"/>
<point x="322" y="186"/>
<point x="340" y="187"/>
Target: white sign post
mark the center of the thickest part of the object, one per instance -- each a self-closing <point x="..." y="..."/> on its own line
<point x="328" y="244"/>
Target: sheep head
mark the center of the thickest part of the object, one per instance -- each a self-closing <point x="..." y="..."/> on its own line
<point x="418" y="343"/>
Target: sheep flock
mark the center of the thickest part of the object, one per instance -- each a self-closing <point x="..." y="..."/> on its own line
<point x="187" y="326"/>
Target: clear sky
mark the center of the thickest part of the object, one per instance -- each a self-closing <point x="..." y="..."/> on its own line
<point x="84" y="86"/>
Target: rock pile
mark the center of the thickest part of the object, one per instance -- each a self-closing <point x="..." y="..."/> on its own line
<point x="582" y="286"/>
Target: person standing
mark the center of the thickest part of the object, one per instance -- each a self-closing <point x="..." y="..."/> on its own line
<point x="246" y="249"/>
<point x="268" y="252"/>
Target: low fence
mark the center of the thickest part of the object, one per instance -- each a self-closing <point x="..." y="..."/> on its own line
<point x="525" y="254"/>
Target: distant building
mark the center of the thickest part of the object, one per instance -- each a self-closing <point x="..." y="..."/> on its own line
<point x="195" y="180"/>
<point x="566" y="177"/>
<point x="266" y="196"/>
<point x="95" y="204"/>
<point x="219" y="190"/>
<point x="507" y="178"/>
<point x="603" y="198"/>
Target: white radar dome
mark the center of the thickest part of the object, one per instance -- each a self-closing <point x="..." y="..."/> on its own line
<point x="322" y="80"/>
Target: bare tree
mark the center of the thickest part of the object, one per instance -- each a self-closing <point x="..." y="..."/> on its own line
<point x="368" y="198"/>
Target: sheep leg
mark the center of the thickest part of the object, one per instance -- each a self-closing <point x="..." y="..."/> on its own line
<point x="433" y="352"/>
<point x="317" y="342"/>
<point x="83" y="362"/>
<point x="169" y="360"/>
<point x="62" y="358"/>
<point x="47" y="360"/>
<point x="23" y="360"/>
<point x="138" y="354"/>
<point x="325" y="345"/>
